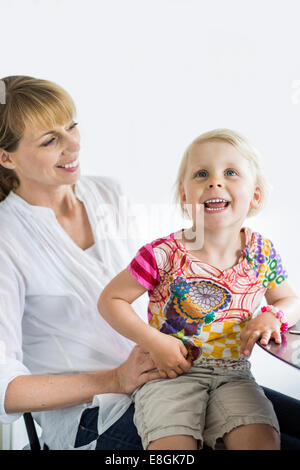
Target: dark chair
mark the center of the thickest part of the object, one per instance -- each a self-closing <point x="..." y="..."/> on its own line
<point x="34" y="441"/>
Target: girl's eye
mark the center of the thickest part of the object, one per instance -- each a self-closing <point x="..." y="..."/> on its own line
<point x="202" y="173"/>
<point x="53" y="138"/>
<point x="230" y="172"/>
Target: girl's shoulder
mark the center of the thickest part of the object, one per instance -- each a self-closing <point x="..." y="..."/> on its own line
<point x="265" y="260"/>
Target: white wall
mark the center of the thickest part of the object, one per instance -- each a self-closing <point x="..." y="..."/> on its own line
<point x="150" y="75"/>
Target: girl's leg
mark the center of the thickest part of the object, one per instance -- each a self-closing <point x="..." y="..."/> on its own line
<point x="252" y="437"/>
<point x="179" y="442"/>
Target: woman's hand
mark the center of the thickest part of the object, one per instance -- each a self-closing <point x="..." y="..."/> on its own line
<point x="135" y="371"/>
<point x="264" y="326"/>
<point x="169" y="354"/>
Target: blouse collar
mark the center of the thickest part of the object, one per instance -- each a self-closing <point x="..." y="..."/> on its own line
<point x="35" y="210"/>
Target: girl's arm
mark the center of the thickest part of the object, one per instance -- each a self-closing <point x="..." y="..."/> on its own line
<point x="167" y="352"/>
<point x="266" y="326"/>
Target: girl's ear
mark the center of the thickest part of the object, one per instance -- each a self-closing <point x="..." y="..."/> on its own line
<point x="5" y="160"/>
<point x="182" y="196"/>
<point x="257" y="197"/>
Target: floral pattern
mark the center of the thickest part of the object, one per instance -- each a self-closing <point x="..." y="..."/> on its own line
<point x="266" y="263"/>
<point x="192" y="304"/>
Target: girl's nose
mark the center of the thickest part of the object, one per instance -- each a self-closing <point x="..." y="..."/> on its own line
<point x="216" y="183"/>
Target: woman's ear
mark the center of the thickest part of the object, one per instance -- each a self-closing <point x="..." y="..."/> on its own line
<point x="256" y="198"/>
<point x="6" y="160"/>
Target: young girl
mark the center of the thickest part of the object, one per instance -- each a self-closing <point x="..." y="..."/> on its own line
<point x="204" y="285"/>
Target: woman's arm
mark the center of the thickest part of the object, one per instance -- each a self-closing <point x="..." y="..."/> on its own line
<point x="167" y="352"/>
<point x="29" y="393"/>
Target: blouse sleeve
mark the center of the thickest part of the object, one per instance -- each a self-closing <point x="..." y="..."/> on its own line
<point x="269" y="267"/>
<point x="12" y="299"/>
<point x="144" y="268"/>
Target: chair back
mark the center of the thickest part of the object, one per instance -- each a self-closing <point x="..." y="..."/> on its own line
<point x="32" y="434"/>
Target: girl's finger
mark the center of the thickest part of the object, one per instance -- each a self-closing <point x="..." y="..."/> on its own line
<point x="277" y="336"/>
<point x="265" y="337"/>
<point x="172" y="374"/>
<point x="251" y="340"/>
<point x="163" y="374"/>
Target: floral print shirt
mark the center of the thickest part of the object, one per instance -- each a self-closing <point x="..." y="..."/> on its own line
<point x="200" y="304"/>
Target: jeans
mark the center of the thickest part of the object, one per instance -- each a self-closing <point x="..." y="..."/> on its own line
<point x="122" y="435"/>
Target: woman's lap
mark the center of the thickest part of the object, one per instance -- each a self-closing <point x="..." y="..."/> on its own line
<point x="122" y="435"/>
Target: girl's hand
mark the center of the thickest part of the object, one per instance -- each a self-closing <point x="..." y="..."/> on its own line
<point x="168" y="354"/>
<point x="264" y="326"/>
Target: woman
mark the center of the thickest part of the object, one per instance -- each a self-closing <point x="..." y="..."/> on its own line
<point x="61" y="360"/>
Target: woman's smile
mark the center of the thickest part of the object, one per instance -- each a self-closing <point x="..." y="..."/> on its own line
<point x="71" y="167"/>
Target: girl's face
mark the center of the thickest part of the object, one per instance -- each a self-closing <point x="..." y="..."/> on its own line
<point x="41" y="154"/>
<point x="217" y="170"/>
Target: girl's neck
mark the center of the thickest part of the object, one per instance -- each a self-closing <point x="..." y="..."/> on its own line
<point x="221" y="248"/>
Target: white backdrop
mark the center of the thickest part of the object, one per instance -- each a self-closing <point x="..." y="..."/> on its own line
<point x="150" y="75"/>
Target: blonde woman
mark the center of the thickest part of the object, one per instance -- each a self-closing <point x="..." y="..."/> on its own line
<point x="202" y="301"/>
<point x="53" y="262"/>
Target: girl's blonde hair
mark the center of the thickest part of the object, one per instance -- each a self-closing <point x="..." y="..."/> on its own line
<point x="246" y="150"/>
<point x="29" y="102"/>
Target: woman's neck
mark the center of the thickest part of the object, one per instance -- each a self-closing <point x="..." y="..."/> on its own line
<point x="61" y="199"/>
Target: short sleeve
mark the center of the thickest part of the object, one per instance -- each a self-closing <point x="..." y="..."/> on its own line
<point x="12" y="297"/>
<point x="144" y="268"/>
<point x="268" y="264"/>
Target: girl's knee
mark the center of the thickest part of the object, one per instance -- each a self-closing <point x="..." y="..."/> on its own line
<point x="178" y="442"/>
<point x="252" y="437"/>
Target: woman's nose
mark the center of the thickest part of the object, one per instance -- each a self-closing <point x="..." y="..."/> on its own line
<point x="72" y="143"/>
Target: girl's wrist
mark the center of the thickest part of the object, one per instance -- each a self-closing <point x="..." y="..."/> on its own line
<point x="148" y="336"/>
<point x="279" y="315"/>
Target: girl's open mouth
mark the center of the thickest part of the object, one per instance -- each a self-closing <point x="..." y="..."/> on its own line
<point x="216" y="205"/>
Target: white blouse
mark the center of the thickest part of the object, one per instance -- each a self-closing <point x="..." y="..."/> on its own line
<point x="49" y="288"/>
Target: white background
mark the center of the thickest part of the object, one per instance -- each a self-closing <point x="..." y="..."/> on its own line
<point x="148" y="76"/>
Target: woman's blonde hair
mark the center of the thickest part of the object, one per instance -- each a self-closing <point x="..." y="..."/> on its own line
<point x="246" y="150"/>
<point x="29" y="102"/>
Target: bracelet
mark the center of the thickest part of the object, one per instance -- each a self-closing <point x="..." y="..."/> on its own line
<point x="278" y="314"/>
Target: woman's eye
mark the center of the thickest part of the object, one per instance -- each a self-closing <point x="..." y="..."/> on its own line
<point x="230" y="172"/>
<point x="202" y="173"/>
<point x="49" y="142"/>
<point x="53" y="138"/>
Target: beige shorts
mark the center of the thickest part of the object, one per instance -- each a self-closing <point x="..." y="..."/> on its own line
<point x="204" y="403"/>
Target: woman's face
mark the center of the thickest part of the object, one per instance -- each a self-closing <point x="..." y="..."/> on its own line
<point x="42" y="154"/>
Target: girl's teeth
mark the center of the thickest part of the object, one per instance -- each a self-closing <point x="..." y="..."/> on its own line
<point x="211" y="209"/>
